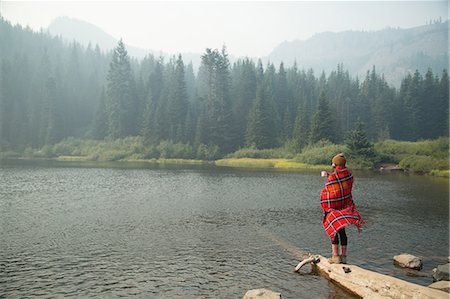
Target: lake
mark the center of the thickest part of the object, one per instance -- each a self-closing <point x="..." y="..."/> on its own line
<point x="147" y="231"/>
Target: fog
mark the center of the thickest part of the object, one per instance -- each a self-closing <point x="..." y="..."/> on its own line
<point x="246" y="28"/>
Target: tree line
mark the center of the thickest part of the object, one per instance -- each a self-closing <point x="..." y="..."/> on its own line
<point x="51" y="90"/>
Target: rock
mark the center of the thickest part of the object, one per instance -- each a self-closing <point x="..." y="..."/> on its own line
<point x="408" y="261"/>
<point x="261" y="294"/>
<point x="441" y="285"/>
<point x="441" y="272"/>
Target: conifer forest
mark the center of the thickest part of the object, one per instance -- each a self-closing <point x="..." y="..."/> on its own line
<point x="51" y="90"/>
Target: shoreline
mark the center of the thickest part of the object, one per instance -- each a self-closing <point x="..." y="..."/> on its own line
<point x="245" y="163"/>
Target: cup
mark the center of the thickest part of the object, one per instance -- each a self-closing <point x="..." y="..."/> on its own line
<point x="324" y="173"/>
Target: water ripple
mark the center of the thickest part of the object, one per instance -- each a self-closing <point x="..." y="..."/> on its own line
<point x="174" y="233"/>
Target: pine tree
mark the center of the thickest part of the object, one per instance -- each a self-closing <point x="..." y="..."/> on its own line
<point x="178" y="103"/>
<point x="358" y="144"/>
<point x="219" y="128"/>
<point x="244" y="93"/>
<point x="153" y="101"/>
<point x="101" y="118"/>
<point x="323" y="125"/>
<point x="301" y="131"/>
<point x="443" y="98"/>
<point x="121" y="103"/>
<point x="3" y="109"/>
<point x="261" y="130"/>
<point x="430" y="106"/>
<point x="51" y="112"/>
<point x="283" y="103"/>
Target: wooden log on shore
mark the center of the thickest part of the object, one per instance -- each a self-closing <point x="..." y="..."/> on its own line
<point x="369" y="284"/>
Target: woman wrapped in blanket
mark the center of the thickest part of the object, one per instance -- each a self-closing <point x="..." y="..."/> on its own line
<point x="338" y="208"/>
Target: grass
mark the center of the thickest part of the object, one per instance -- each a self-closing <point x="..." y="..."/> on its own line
<point x="440" y="173"/>
<point x="247" y="162"/>
<point x="285" y="164"/>
<point x="72" y="158"/>
<point x="169" y="161"/>
<point x="423" y="157"/>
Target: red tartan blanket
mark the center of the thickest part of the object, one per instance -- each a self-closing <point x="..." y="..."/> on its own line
<point x="337" y="202"/>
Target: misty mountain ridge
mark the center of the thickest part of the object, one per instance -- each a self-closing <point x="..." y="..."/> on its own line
<point x="86" y="33"/>
<point x="394" y="52"/>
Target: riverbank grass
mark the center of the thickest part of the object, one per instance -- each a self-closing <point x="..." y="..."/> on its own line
<point x="150" y="161"/>
<point x="285" y="164"/>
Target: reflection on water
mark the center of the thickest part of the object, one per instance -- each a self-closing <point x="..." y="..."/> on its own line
<point x="172" y="232"/>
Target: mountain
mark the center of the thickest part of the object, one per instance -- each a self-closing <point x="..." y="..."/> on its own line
<point x="394" y="52"/>
<point x="86" y="33"/>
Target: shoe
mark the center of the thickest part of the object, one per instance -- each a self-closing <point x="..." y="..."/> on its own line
<point x="335" y="259"/>
<point x="343" y="259"/>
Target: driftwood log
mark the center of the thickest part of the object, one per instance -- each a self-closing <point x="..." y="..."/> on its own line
<point x="363" y="283"/>
<point x="369" y="284"/>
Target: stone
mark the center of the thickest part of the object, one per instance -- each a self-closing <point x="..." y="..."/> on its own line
<point x="441" y="272"/>
<point x="262" y="294"/>
<point x="408" y="261"/>
<point x="441" y="285"/>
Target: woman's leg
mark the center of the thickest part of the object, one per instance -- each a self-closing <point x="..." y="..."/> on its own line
<point x="343" y="238"/>
<point x="335" y="250"/>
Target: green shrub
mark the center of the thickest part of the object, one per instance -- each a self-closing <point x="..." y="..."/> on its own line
<point x="398" y="150"/>
<point x="423" y="164"/>
<point x="208" y="153"/>
<point x="440" y="173"/>
<point x="276" y="153"/>
<point x="320" y="153"/>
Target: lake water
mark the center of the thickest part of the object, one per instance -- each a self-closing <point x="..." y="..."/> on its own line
<point x="124" y="229"/>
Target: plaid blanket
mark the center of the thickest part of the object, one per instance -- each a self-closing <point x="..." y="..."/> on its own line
<point x="337" y="202"/>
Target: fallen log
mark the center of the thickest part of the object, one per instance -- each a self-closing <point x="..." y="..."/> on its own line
<point x="369" y="284"/>
<point x="363" y="283"/>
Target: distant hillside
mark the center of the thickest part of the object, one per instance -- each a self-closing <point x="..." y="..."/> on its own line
<point x="85" y="33"/>
<point x="394" y="52"/>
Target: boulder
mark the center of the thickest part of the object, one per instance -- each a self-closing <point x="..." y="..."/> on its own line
<point x="441" y="272"/>
<point x="441" y="285"/>
<point x="261" y="294"/>
<point x="408" y="261"/>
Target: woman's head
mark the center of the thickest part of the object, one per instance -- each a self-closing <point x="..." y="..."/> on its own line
<point x="339" y="160"/>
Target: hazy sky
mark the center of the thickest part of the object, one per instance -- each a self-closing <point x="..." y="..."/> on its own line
<point x="246" y="28"/>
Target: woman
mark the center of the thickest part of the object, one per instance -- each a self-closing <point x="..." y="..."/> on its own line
<point x="339" y="209"/>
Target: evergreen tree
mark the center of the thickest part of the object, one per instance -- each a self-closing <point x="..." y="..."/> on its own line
<point x="443" y="102"/>
<point x="154" y="100"/>
<point x="51" y="111"/>
<point x="219" y="126"/>
<point x="283" y="103"/>
<point x="261" y="130"/>
<point x="178" y="103"/>
<point x="244" y="93"/>
<point x="44" y="101"/>
<point x="121" y="103"/>
<point x="301" y="131"/>
<point x="358" y="144"/>
<point x="324" y="125"/>
<point x="3" y="110"/>
<point x="101" y="118"/>
<point x="430" y="106"/>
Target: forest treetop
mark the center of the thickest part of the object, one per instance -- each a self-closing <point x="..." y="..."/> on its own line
<point x="50" y="91"/>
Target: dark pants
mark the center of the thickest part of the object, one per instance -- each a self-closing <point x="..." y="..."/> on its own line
<point x="342" y="236"/>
